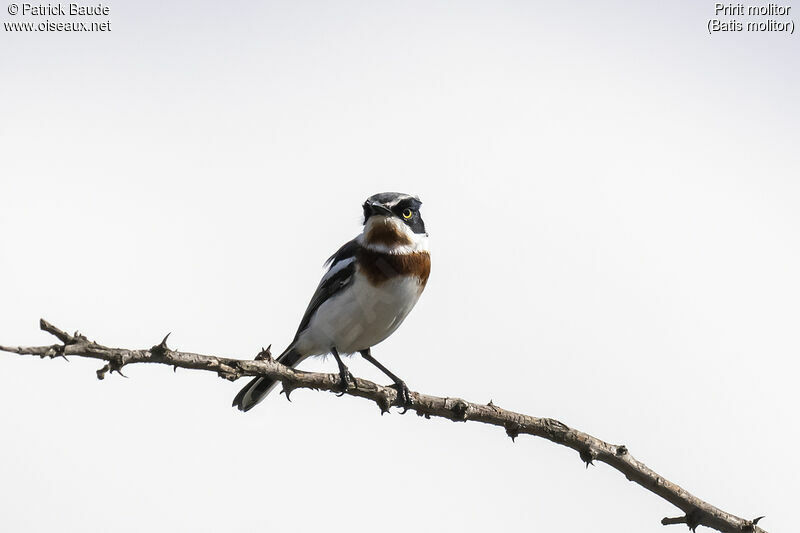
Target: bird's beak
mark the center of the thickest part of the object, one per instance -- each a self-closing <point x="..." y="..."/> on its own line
<point x="379" y="209"/>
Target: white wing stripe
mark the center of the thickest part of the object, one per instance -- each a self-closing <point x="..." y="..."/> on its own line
<point x="338" y="266"/>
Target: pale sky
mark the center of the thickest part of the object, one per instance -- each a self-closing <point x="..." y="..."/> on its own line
<point x="611" y="194"/>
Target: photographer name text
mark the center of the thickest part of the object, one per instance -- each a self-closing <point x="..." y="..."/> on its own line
<point x="64" y="10"/>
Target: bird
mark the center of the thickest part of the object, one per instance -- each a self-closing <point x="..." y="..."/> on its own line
<point x="369" y="287"/>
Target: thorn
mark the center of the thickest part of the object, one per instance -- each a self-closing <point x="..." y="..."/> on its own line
<point x="163" y="344"/>
<point x="751" y="525"/>
<point x="161" y="349"/>
<point x="265" y="354"/>
<point x="175" y="369"/>
<point x="756" y="520"/>
<point x="287" y="390"/>
<point x="490" y="404"/>
<point x="587" y="456"/>
<point x="512" y="430"/>
<point x="693" y="519"/>
<point x="115" y="366"/>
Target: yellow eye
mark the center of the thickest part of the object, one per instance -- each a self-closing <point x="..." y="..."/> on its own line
<point x="407" y="213"/>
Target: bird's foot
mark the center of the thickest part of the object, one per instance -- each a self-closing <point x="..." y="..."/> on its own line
<point x="403" y="396"/>
<point x="346" y="380"/>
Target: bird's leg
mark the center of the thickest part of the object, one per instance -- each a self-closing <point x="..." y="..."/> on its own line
<point x="403" y="394"/>
<point x="345" y="377"/>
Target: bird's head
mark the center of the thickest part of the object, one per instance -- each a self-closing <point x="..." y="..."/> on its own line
<point x="393" y="222"/>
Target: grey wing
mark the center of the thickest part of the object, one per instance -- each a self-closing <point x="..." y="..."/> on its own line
<point x="338" y="276"/>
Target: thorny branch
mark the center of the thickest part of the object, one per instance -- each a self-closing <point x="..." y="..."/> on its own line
<point x="696" y="511"/>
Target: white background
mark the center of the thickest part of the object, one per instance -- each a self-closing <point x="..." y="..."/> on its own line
<point x="612" y="199"/>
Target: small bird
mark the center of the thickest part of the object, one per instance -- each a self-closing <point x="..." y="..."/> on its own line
<point x="370" y="286"/>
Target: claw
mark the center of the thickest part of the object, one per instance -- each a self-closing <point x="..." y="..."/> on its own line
<point x="403" y="396"/>
<point x="346" y="379"/>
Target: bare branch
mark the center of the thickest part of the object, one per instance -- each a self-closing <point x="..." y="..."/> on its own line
<point x="590" y="449"/>
<point x="63" y="336"/>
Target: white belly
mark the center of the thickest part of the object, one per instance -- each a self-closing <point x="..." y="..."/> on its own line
<point x="360" y="317"/>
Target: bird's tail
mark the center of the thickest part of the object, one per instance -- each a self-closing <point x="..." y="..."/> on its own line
<point x="259" y="387"/>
